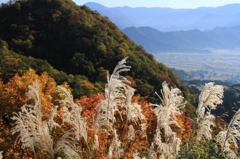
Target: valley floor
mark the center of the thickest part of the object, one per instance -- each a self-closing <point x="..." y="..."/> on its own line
<point x="219" y="65"/>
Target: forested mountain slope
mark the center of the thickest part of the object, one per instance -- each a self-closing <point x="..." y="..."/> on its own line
<point x="78" y="41"/>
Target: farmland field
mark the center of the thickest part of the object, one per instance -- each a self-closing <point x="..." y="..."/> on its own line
<point x="220" y="64"/>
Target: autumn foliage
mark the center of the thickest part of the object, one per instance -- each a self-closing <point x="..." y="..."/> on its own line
<point x="13" y="96"/>
<point x="113" y="124"/>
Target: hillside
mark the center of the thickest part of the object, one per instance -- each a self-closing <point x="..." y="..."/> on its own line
<point x="78" y="41"/>
<point x="192" y="41"/>
<point x="168" y="19"/>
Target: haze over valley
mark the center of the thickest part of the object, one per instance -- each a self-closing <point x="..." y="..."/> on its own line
<point x="204" y="42"/>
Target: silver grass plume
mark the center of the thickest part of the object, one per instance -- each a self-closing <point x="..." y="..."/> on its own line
<point x="209" y="98"/>
<point x="96" y="142"/>
<point x="133" y="110"/>
<point x="170" y="150"/>
<point x="230" y="135"/>
<point x="168" y="110"/>
<point x="205" y="130"/>
<point x="157" y="142"/>
<point x="51" y="123"/>
<point x="135" y="156"/>
<point x="33" y="93"/>
<point x="1" y="155"/>
<point x="33" y="132"/>
<point x="72" y="115"/>
<point x="166" y="114"/>
<point x="131" y="133"/>
<point x="114" y="149"/>
<point x="66" y="144"/>
<point x="144" y="128"/>
<point x="118" y="94"/>
<point x="164" y="150"/>
<point x="113" y="98"/>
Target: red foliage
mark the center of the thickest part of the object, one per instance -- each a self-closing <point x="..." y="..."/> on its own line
<point x="75" y="17"/>
<point x="166" y="78"/>
<point x="86" y="42"/>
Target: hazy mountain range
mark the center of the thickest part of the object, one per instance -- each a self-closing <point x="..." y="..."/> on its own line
<point x="192" y="41"/>
<point x="168" y="19"/>
<point x="177" y="30"/>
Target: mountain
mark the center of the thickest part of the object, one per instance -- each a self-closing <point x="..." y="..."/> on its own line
<point x="77" y="41"/>
<point x="228" y="35"/>
<point x="168" y="19"/>
<point x="192" y="41"/>
<point x="155" y="41"/>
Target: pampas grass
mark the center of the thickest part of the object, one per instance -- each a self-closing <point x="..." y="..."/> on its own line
<point x="32" y="132"/>
<point x="230" y="136"/>
<point x="209" y="98"/>
<point x="114" y="149"/>
<point x="166" y="113"/>
<point x="36" y="134"/>
<point x="72" y="115"/>
<point x="117" y="100"/>
<point x="114" y="97"/>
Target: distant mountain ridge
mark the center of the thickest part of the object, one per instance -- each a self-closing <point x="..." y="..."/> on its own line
<point x="168" y="19"/>
<point x="192" y="41"/>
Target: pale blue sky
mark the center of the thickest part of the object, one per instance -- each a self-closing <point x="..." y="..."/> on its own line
<point x="157" y="3"/>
